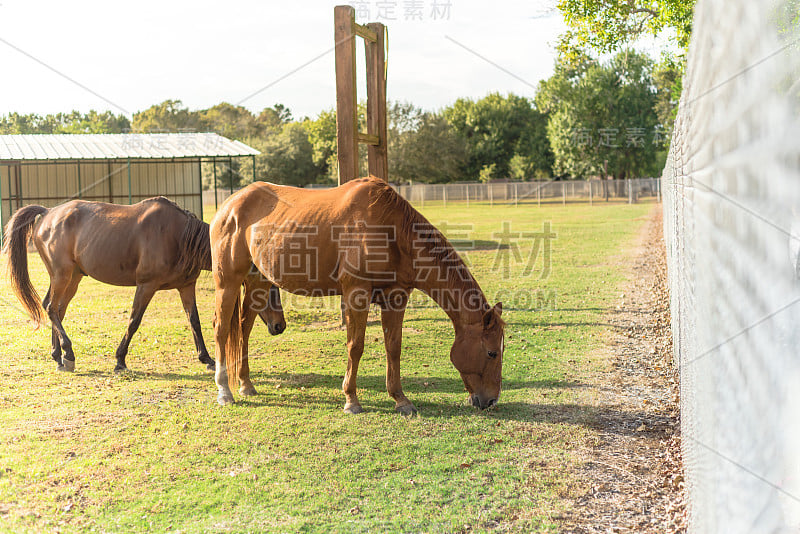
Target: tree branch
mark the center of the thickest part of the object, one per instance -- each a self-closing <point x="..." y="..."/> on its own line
<point x="652" y="12"/>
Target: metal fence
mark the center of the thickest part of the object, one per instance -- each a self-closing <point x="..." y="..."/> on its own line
<point x="731" y="205"/>
<point x="518" y="192"/>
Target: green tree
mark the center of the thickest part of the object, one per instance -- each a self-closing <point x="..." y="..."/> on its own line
<point x="495" y="128"/>
<point x="322" y="136"/>
<point x="609" y="25"/>
<point x="73" y="122"/>
<point x="423" y="147"/>
<point x="287" y="157"/>
<point x="233" y="122"/>
<point x="16" y="123"/>
<point x="271" y="120"/>
<point x="168" y="116"/>
<point x="601" y="113"/>
<point x="668" y="80"/>
<point x="92" y="122"/>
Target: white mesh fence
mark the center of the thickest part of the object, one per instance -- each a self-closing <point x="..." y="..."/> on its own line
<point x="732" y="211"/>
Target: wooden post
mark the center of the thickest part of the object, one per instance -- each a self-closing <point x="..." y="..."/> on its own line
<point x="444" y="194"/>
<point x="377" y="155"/>
<point x="539" y="195"/>
<point x="590" y="193"/>
<point x="347" y="135"/>
<point x="467" y="195"/>
<point x="346" y="97"/>
<point x="516" y="195"/>
<point x="564" y="193"/>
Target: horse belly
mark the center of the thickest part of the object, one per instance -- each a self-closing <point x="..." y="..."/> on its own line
<point x="108" y="258"/>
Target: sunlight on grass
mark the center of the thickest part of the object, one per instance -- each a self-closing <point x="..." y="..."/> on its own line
<point x="151" y="450"/>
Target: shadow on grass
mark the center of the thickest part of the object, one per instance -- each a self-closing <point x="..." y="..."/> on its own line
<point x="322" y="392"/>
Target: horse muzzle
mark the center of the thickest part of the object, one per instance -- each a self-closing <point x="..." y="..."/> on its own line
<point x="276" y="328"/>
<point x="482" y="403"/>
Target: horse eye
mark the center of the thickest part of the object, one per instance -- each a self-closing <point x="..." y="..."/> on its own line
<point x="493" y="354"/>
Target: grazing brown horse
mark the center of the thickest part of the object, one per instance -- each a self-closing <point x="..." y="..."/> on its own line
<point x="364" y="242"/>
<point x="152" y="245"/>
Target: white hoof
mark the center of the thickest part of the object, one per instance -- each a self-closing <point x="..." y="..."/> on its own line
<point x="224" y="400"/>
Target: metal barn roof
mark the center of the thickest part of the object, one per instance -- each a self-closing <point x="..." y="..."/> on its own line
<point x="120" y="146"/>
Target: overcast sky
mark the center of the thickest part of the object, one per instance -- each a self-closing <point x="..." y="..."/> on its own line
<point x="130" y="55"/>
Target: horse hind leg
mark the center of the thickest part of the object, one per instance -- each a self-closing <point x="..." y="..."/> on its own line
<point x="55" y="345"/>
<point x="189" y="302"/>
<point x="62" y="289"/>
<point x="142" y="297"/>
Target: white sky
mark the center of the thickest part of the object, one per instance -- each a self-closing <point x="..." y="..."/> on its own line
<point x="142" y="52"/>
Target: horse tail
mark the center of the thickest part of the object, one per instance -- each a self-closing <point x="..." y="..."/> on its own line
<point x="195" y="248"/>
<point x="233" y="346"/>
<point x="18" y="232"/>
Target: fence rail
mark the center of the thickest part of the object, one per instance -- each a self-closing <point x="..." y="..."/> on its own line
<point x="518" y="192"/>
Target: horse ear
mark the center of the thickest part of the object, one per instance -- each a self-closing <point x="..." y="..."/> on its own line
<point x="498" y="308"/>
<point x="488" y="319"/>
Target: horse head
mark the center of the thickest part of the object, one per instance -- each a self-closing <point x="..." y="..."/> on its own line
<point x="477" y="354"/>
<point x="264" y="298"/>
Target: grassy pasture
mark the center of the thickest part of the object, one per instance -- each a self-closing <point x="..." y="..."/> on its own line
<point x="151" y="450"/>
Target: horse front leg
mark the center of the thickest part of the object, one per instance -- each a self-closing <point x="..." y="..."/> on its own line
<point x="142" y="297"/>
<point x="392" y="314"/>
<point x="356" y="311"/>
<point x="189" y="302"/>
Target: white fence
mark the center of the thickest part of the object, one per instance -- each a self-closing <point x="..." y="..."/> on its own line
<point x="517" y="192"/>
<point x="731" y="203"/>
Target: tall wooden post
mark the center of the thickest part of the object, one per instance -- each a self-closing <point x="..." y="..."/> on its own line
<point x="347" y="135"/>
<point x="376" y="102"/>
<point x="346" y="96"/>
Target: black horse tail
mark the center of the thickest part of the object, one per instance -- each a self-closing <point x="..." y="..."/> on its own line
<point x="18" y="232"/>
<point x="195" y="248"/>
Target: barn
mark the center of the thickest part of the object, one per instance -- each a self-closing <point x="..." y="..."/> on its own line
<point x="121" y="168"/>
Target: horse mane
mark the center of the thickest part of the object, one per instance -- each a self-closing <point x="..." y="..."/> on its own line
<point x="416" y="234"/>
<point x="195" y="246"/>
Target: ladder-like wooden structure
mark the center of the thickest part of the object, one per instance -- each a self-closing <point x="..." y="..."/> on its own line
<point x="348" y="135"/>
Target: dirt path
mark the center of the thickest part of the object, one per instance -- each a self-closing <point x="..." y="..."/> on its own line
<point x="631" y="478"/>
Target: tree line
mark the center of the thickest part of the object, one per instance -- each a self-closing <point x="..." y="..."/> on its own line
<point x="598" y="115"/>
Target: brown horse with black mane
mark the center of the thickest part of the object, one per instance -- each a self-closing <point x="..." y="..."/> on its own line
<point x="152" y="245"/>
<point x="364" y="242"/>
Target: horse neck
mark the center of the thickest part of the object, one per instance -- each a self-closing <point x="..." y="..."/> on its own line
<point x="443" y="276"/>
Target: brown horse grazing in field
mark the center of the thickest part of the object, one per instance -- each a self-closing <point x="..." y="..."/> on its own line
<point x="364" y="242"/>
<point x="152" y="245"/>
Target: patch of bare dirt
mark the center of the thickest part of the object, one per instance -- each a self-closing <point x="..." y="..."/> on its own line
<point x="631" y="479"/>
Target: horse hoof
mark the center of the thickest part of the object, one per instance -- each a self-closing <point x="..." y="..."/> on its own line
<point x="225" y="400"/>
<point x="67" y="366"/>
<point x="406" y="409"/>
<point x="119" y="369"/>
<point x="248" y="391"/>
<point x="353" y="408"/>
<point x="211" y="367"/>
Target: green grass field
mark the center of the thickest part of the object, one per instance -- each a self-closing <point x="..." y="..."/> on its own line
<point x="151" y="450"/>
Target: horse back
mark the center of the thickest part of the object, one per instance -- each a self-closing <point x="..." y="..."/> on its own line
<point x="308" y="240"/>
<point x="116" y="244"/>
